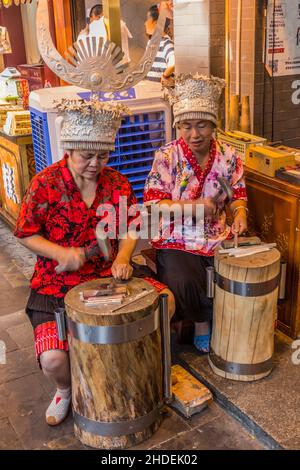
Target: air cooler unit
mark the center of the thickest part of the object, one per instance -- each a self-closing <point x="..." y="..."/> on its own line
<point x="142" y="132"/>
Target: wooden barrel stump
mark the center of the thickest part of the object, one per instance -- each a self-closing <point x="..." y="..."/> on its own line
<point x="116" y="368"/>
<point x="245" y="309"/>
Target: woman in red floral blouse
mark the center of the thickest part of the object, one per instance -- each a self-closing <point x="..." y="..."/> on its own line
<point x="57" y="221"/>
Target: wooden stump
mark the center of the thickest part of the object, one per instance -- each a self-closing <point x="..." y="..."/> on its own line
<point x="117" y="389"/>
<point x="245" y="308"/>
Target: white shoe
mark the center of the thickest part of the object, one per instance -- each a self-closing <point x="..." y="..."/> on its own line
<point x="58" y="409"/>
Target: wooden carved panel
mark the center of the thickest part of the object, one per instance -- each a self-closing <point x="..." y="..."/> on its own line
<point x="30" y="162"/>
<point x="274" y="217"/>
<point x="11" y="191"/>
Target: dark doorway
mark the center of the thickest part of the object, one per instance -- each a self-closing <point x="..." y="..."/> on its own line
<point x="79" y="20"/>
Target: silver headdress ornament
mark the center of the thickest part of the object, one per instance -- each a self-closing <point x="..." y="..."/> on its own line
<point x="196" y="97"/>
<point x="95" y="65"/>
<point x="90" y="125"/>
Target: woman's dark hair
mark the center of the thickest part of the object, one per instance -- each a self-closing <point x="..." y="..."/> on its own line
<point x="154" y="13"/>
<point x="96" y="10"/>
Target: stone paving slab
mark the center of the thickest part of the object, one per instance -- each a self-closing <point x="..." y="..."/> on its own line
<point x="8" y="438"/>
<point x="270" y="407"/>
<point x="171" y="426"/>
<point x="15" y="395"/>
<point x="10" y="345"/>
<point x="22" y="335"/>
<point x="218" y="434"/>
<point x="32" y="429"/>
<point x="68" y="442"/>
<point x="19" y="363"/>
<point x="14" y="299"/>
<point x="13" y="319"/>
<point x="10" y="248"/>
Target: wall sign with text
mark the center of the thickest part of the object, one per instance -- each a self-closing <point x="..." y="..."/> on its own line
<point x="283" y="37"/>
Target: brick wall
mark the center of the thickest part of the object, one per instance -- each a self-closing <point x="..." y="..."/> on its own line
<point x="192" y="35"/>
<point x="275" y="115"/>
<point x="217" y="38"/>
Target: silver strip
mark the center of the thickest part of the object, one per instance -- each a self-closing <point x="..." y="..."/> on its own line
<point x="119" y="428"/>
<point x="245" y="289"/>
<point x="240" y="369"/>
<point x="114" y="334"/>
<point x="166" y="345"/>
<point x="282" y="285"/>
<point x="60" y="323"/>
<point x="210" y="282"/>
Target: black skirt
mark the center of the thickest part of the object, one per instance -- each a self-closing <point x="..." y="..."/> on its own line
<point x="185" y="275"/>
<point x="40" y="308"/>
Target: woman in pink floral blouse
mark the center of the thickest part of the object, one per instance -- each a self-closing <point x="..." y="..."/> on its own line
<point x="186" y="171"/>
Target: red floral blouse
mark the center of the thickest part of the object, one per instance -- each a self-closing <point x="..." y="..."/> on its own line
<point x="53" y="208"/>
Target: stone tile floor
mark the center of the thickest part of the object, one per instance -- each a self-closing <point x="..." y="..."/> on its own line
<point x="270" y="406"/>
<point x="25" y="393"/>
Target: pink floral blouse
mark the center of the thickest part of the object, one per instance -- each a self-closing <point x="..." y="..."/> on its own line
<point x="176" y="175"/>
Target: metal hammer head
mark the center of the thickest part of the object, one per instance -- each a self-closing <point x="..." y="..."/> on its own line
<point x="225" y="188"/>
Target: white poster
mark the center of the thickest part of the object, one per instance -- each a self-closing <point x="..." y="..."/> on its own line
<point x="283" y="37"/>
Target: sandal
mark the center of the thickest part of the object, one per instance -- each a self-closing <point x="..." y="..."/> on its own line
<point x="201" y="343"/>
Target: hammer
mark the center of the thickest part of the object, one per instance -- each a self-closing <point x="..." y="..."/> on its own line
<point x="224" y="189"/>
<point x="95" y="249"/>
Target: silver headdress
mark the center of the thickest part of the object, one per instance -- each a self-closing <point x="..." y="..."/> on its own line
<point x="196" y="97"/>
<point x="90" y="125"/>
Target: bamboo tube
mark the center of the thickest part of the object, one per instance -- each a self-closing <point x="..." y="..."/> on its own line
<point x="234" y="113"/>
<point x="245" y="125"/>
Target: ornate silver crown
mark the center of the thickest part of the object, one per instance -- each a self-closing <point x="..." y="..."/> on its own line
<point x="196" y="97"/>
<point x="90" y="125"/>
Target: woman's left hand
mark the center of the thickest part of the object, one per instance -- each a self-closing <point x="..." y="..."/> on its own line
<point x="240" y="222"/>
<point x="121" y="268"/>
<point x="167" y="82"/>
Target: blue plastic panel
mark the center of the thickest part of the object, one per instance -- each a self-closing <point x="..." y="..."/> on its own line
<point x="41" y="141"/>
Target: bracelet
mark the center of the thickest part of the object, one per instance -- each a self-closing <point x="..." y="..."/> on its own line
<point x="239" y="207"/>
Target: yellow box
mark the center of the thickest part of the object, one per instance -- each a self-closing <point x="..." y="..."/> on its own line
<point x="291" y="150"/>
<point x="267" y="160"/>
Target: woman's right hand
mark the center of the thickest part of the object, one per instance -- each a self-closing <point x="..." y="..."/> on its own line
<point x="69" y="259"/>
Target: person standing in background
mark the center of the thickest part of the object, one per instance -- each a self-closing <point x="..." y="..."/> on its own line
<point x="95" y="14"/>
<point x="163" y="67"/>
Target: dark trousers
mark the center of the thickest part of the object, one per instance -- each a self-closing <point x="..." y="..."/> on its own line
<point x="185" y="274"/>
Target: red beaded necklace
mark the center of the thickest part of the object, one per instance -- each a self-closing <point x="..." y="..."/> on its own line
<point x="200" y="174"/>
